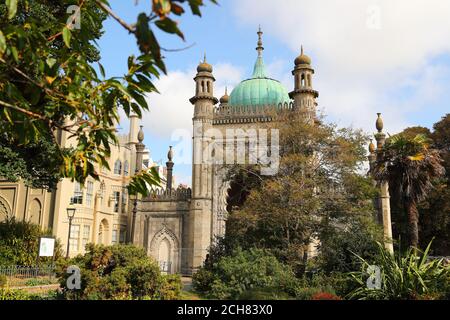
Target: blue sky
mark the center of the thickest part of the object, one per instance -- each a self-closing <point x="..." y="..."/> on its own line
<point x="370" y="56"/>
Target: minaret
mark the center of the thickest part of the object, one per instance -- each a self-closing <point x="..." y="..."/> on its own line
<point x="140" y="147"/>
<point x="304" y="95"/>
<point x="169" y="166"/>
<point x="384" y="206"/>
<point x="200" y="216"/>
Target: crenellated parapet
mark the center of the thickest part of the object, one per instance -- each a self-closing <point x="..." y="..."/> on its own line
<point x="180" y="194"/>
<point x="225" y="114"/>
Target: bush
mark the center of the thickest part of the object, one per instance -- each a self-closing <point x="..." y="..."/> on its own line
<point x="403" y="277"/>
<point x="8" y="294"/>
<point x="3" y="281"/>
<point x="118" y="272"/>
<point x="339" y="245"/>
<point x="325" y="296"/>
<point x="19" y="241"/>
<point x="235" y="276"/>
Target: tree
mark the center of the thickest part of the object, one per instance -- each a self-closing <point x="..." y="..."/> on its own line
<point x="317" y="187"/>
<point x="435" y="210"/>
<point x="409" y="165"/>
<point x="48" y="81"/>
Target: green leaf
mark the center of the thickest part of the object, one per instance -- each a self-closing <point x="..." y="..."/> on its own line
<point x="170" y="26"/>
<point x="2" y="43"/>
<point x="67" y="35"/>
<point x="12" y="8"/>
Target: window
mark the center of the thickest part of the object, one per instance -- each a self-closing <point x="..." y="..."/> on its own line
<point x="89" y="193"/>
<point x="116" y="198"/>
<point x="124" y="202"/>
<point x="77" y="195"/>
<point x="118" y="167"/>
<point x="123" y="234"/>
<point x="74" y="237"/>
<point x="86" y="235"/>
<point x="125" y="168"/>
<point x="114" y="237"/>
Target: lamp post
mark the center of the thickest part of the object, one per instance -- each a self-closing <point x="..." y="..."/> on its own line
<point x="70" y="216"/>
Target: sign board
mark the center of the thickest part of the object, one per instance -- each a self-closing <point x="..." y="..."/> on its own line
<point x="46" y="246"/>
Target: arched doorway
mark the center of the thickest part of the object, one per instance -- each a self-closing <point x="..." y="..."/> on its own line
<point x="164" y="249"/>
<point x="103" y="232"/>
<point x="164" y="255"/>
<point x="34" y="212"/>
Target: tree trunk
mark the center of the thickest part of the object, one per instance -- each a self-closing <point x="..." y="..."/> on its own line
<point x="413" y="221"/>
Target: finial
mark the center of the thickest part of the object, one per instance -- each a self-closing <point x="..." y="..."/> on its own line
<point x="226" y="90"/>
<point x="141" y="135"/>
<point x="204" y="58"/>
<point x="302" y="50"/>
<point x="260" y="47"/>
<point x="170" y="154"/>
<point x="371" y="147"/>
<point x="379" y="123"/>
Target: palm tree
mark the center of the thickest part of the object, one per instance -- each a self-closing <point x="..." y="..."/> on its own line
<point x="409" y="165"/>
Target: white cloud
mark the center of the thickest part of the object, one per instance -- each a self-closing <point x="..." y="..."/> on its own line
<point x="171" y="110"/>
<point x="364" y="51"/>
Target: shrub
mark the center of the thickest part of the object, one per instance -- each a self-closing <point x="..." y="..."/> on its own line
<point x="339" y="245"/>
<point x="9" y="294"/>
<point x="3" y="281"/>
<point x="19" y="241"/>
<point x="231" y="276"/>
<point x="325" y="296"/>
<point x="118" y="272"/>
<point x="403" y="277"/>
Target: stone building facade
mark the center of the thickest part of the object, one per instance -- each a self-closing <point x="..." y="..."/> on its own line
<point x="102" y="207"/>
<point x="177" y="226"/>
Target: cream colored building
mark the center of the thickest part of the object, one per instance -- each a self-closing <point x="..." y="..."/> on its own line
<point x="102" y="207"/>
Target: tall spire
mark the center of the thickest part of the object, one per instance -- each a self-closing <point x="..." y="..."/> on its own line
<point x="259" y="71"/>
<point x="260" y="47"/>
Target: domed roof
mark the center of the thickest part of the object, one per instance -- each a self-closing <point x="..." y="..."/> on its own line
<point x="225" y="98"/>
<point x="204" y="66"/>
<point x="259" y="90"/>
<point x="302" y="59"/>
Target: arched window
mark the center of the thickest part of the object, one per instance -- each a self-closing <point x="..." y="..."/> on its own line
<point x="118" y="167"/>
<point x="303" y="80"/>
<point x="126" y="168"/>
<point x="203" y="86"/>
<point x="208" y="86"/>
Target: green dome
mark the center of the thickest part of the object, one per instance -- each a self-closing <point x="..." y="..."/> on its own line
<point x="259" y="90"/>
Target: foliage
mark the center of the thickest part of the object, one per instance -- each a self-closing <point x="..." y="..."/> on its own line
<point x="410" y="166"/>
<point x="325" y="296"/>
<point x="10" y="294"/>
<point x="19" y="241"/>
<point x="118" y="272"/>
<point x="244" y="271"/>
<point x="435" y="210"/>
<point x="338" y="246"/>
<point x="409" y="276"/>
<point x="318" y="180"/>
<point x="3" y="281"/>
<point x="37" y="164"/>
<point x="51" y="81"/>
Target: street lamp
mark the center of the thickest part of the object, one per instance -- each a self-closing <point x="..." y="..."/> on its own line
<point x="70" y="215"/>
